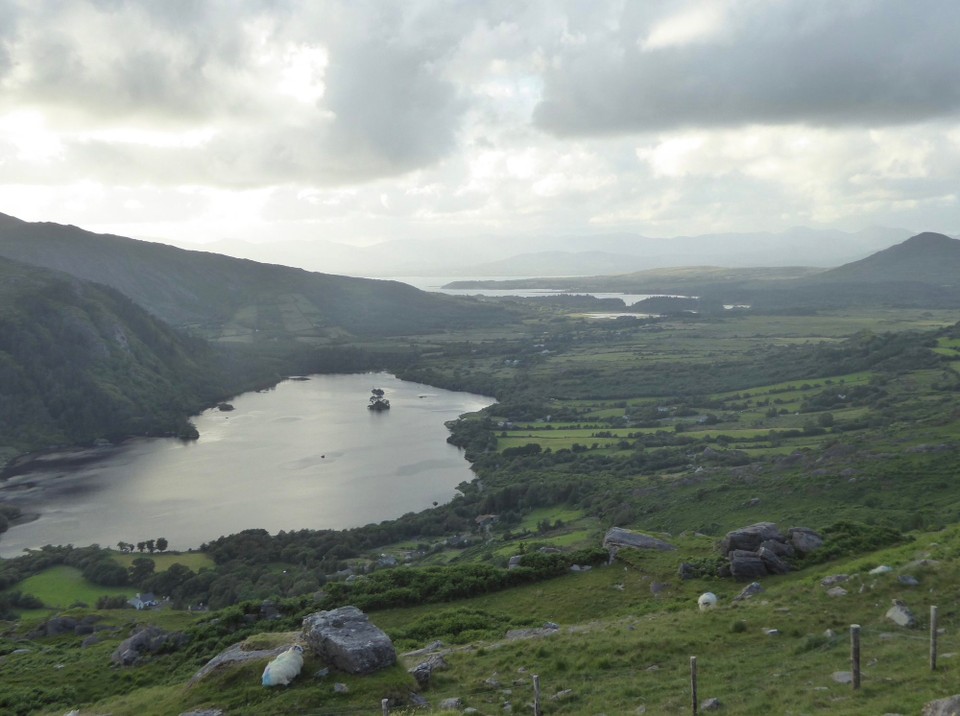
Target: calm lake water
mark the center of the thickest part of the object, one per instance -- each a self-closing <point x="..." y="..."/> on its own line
<point x="306" y="454"/>
<point x="436" y="285"/>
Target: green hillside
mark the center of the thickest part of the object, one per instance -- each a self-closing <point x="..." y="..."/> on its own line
<point x="928" y="258"/>
<point x="80" y="361"/>
<point x="236" y="299"/>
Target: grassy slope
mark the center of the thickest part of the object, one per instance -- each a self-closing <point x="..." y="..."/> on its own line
<point x="620" y="646"/>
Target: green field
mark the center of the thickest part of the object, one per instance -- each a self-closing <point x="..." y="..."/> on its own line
<point x="61" y="587"/>
<point x="163" y="560"/>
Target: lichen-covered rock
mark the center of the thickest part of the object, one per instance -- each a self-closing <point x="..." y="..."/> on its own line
<point x="949" y="706"/>
<point x="901" y="615"/>
<point x="346" y="639"/>
<point x="619" y="538"/>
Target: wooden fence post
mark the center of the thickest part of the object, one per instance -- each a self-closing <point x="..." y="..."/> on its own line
<point x="855" y="654"/>
<point x="537" y="709"/>
<point x="693" y="685"/>
<point x="933" y="638"/>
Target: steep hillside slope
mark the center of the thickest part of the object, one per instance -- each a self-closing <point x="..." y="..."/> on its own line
<point x="237" y="297"/>
<point x="80" y="361"/>
<point x="925" y="258"/>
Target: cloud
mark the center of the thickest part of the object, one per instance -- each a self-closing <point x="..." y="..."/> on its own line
<point x="722" y="64"/>
<point x="333" y="92"/>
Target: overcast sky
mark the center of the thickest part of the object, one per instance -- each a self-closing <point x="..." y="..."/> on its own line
<point x="354" y="121"/>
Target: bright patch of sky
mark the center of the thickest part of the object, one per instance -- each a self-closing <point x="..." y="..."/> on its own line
<point x="359" y="121"/>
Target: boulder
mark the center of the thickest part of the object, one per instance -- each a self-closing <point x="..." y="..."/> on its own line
<point x="345" y="638"/>
<point x="619" y="538"/>
<point x="236" y="654"/>
<point x="834" y="579"/>
<point x="949" y="706"/>
<point x="772" y="562"/>
<point x="515" y="561"/>
<point x="805" y="540"/>
<point x="424" y="670"/>
<point x="749" y="592"/>
<point x="687" y="571"/>
<point x="55" y="627"/>
<point x="750" y="538"/>
<point x="781" y="549"/>
<point x="746" y="565"/>
<point x="454" y="703"/>
<point x="146" y="642"/>
<point x="901" y="615"/>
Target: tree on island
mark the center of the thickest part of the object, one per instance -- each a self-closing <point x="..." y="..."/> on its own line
<point x="377" y="401"/>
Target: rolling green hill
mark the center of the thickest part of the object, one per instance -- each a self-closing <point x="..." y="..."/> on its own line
<point x="236" y="299"/>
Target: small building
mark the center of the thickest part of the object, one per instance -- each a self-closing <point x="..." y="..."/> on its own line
<point x="144" y="601"/>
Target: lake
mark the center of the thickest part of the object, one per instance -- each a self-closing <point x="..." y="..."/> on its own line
<point x="305" y="454"/>
<point x="437" y="285"/>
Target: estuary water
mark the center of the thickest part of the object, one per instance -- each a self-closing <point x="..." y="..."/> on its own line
<point x="307" y="454"/>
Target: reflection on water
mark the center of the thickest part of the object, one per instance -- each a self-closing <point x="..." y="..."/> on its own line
<point x="307" y="454"/>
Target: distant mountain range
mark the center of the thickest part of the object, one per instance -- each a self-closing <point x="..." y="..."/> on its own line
<point x="570" y="255"/>
<point x="234" y="299"/>
<point x="921" y="271"/>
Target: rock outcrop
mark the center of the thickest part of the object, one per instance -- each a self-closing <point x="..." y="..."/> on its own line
<point x="236" y="654"/>
<point x="760" y="550"/>
<point x="618" y="538"/>
<point x="146" y="642"/>
<point x="942" y="707"/>
<point x="346" y="639"/>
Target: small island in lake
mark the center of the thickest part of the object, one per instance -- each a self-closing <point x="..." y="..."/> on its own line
<point x="377" y="401"/>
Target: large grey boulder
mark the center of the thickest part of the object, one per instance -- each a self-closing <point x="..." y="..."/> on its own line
<point x="619" y="538"/>
<point x="949" y="706"/>
<point x="746" y="565"/>
<point x="805" y="540"/>
<point x="751" y="537"/>
<point x="146" y="642"/>
<point x="772" y="562"/>
<point x="345" y="638"/>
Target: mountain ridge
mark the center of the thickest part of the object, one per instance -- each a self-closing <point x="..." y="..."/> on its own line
<point x="237" y="298"/>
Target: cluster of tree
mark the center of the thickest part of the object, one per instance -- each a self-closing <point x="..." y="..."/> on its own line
<point x="158" y="545"/>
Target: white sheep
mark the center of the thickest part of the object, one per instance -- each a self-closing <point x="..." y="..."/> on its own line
<point x="284" y="668"/>
<point x="707" y="600"/>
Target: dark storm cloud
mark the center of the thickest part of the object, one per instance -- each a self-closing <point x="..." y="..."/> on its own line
<point x="822" y="62"/>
